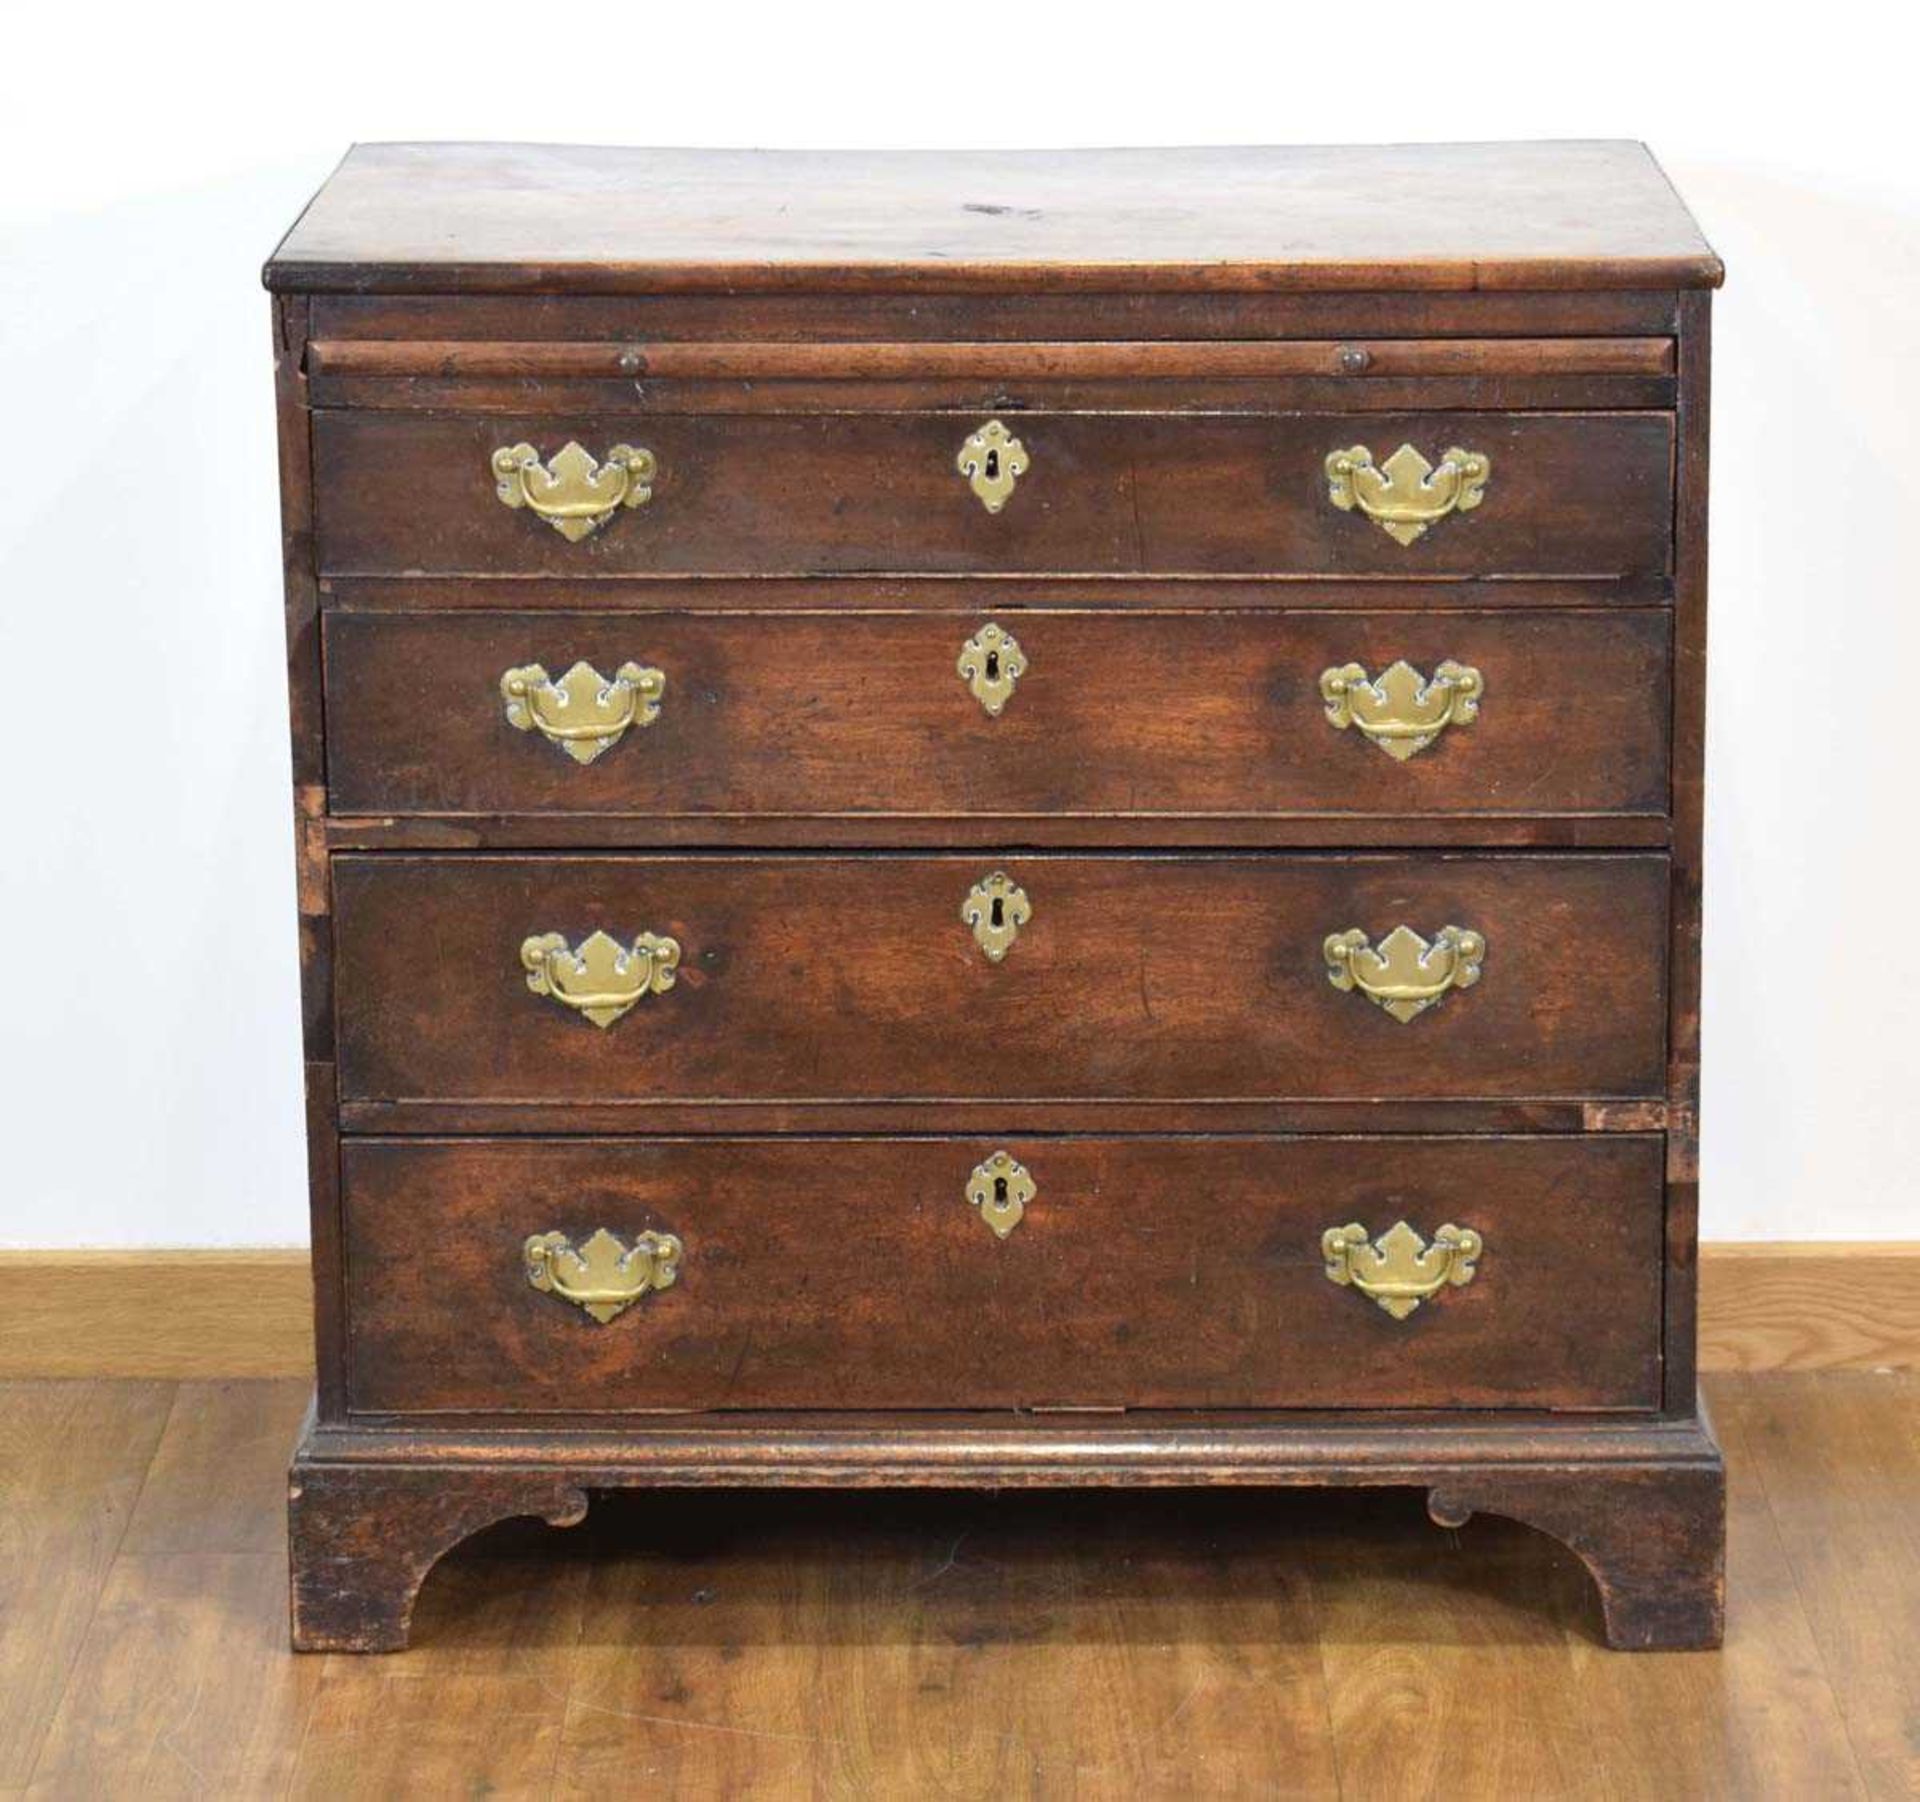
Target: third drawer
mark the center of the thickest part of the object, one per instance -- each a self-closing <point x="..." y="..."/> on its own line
<point x="654" y="978"/>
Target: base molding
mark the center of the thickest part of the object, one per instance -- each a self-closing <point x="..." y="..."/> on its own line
<point x="1640" y="1501"/>
<point x="1027" y="1451"/>
<point x="249" y="1313"/>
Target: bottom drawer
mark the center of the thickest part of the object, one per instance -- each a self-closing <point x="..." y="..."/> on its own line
<point x="926" y="1273"/>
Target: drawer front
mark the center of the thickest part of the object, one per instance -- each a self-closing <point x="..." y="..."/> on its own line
<point x="862" y="1274"/>
<point x="863" y="978"/>
<point x="783" y="714"/>
<point x="1565" y="494"/>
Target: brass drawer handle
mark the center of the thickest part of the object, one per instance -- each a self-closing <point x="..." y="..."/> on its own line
<point x="574" y="494"/>
<point x="583" y="713"/>
<point x="1399" y="1270"/>
<point x="1000" y="1190"/>
<point x="991" y="662"/>
<point x="1403" y="712"/>
<point x="992" y="460"/>
<point x="603" y="978"/>
<point x="1405" y="495"/>
<point x="1403" y="973"/>
<point x="602" y="1276"/>
<point x="996" y="908"/>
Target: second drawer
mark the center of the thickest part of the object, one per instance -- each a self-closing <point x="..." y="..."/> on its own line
<point x="932" y="978"/>
<point x="1019" y="713"/>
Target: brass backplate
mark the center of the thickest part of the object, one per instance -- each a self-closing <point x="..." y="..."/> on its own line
<point x="572" y="492"/>
<point x="600" y="978"/>
<point x="583" y="713"/>
<point x="1405" y="495"/>
<point x="1403" y="974"/>
<point x="600" y="1275"/>
<point x="1403" y="712"/>
<point x="1399" y="1270"/>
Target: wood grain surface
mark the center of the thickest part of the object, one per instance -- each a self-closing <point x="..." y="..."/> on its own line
<point x="987" y="317"/>
<point x="1065" y="372"/>
<point x="1149" y="360"/>
<point x="1145" y="1273"/>
<point x="982" y="593"/>
<point x="1026" y="1644"/>
<point x="844" y="978"/>
<point x="642" y="403"/>
<point x="71" y="1313"/>
<point x="453" y="217"/>
<point x="1164" y="715"/>
<point x="1569" y="495"/>
<point x="72" y="1460"/>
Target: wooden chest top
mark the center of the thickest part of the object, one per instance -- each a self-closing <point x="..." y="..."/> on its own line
<point x="491" y="218"/>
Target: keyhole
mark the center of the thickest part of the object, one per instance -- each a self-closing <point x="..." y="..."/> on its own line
<point x="998" y="915"/>
<point x="993" y="466"/>
<point x="993" y="666"/>
<point x="999" y="1191"/>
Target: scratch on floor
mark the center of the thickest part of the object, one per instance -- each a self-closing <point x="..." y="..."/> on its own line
<point x="1199" y="1683"/>
<point x="166" y="1739"/>
<point x="669" y="1720"/>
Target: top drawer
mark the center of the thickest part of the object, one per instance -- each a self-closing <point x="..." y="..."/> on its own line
<point x="1537" y="494"/>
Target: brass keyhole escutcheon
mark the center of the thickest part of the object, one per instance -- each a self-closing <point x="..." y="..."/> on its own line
<point x="992" y="460"/>
<point x="1000" y="1190"/>
<point x="996" y="908"/>
<point x="991" y="662"/>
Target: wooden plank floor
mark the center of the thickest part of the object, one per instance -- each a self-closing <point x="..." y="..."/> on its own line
<point x="1098" y="1644"/>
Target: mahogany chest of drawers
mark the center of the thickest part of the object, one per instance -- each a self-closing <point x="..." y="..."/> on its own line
<point x="999" y="819"/>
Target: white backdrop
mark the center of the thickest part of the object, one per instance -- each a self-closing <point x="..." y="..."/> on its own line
<point x="152" y="156"/>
